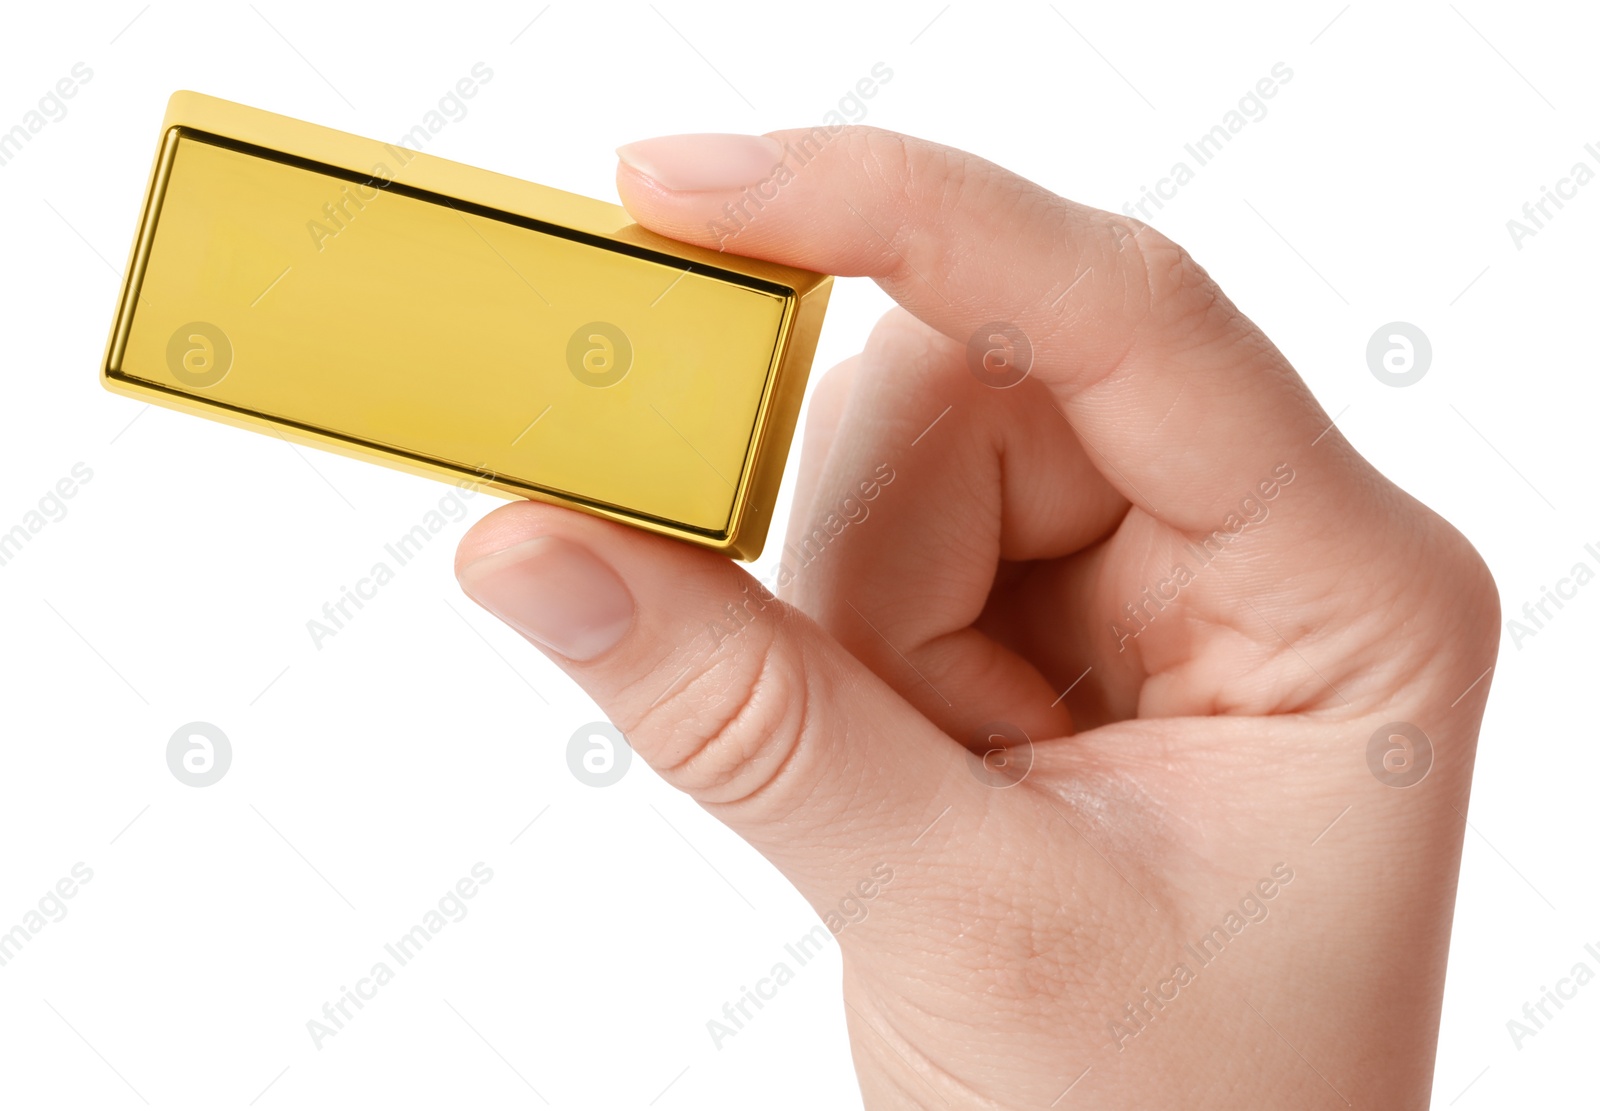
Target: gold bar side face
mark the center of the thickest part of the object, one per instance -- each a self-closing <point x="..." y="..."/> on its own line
<point x="456" y="323"/>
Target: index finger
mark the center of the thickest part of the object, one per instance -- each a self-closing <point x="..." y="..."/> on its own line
<point x="1180" y="397"/>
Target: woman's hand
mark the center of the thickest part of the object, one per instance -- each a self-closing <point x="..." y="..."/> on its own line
<point x="1157" y="701"/>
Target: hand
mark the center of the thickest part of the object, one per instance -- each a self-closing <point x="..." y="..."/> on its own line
<point x="1101" y="665"/>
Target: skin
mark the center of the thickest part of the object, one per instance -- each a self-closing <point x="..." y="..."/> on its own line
<point x="1189" y="768"/>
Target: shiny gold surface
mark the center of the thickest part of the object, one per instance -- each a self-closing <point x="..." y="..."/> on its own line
<point x="453" y="322"/>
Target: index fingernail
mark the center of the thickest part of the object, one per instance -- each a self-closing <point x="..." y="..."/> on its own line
<point x="703" y="163"/>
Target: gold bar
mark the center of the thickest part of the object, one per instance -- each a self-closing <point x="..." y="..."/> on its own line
<point x="373" y="300"/>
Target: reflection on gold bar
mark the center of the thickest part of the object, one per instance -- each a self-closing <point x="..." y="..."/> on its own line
<point x="460" y="324"/>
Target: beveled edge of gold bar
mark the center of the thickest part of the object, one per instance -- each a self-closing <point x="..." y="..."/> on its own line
<point x="805" y="294"/>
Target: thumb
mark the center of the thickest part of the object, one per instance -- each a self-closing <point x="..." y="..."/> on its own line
<point x="729" y="693"/>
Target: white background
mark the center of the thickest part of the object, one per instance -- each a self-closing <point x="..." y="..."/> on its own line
<point x="371" y="774"/>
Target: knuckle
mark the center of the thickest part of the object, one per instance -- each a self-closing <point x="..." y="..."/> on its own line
<point x="1163" y="285"/>
<point x="1474" y="594"/>
<point x="734" y="727"/>
<point x="919" y="353"/>
<point x="923" y="189"/>
<point x="834" y="386"/>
